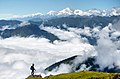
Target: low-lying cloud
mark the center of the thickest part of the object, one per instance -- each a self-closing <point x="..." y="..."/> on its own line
<point x="18" y="53"/>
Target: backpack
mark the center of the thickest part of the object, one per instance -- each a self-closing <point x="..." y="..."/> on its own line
<point x="31" y="68"/>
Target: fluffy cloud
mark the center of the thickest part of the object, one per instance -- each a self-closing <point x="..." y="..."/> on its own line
<point x="107" y="48"/>
<point x="17" y="54"/>
<point x="24" y="23"/>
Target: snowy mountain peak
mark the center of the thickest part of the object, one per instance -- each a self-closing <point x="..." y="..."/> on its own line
<point x="67" y="11"/>
<point x="28" y="15"/>
<point x="115" y="11"/>
<point x="78" y="12"/>
<point x="96" y="12"/>
<point x="52" y="12"/>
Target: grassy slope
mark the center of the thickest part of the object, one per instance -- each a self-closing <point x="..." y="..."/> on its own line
<point x="80" y="75"/>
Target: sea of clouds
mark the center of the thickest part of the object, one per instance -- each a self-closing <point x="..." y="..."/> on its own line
<point x="18" y="53"/>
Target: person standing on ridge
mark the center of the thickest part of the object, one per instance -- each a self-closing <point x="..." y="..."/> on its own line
<point x="32" y="69"/>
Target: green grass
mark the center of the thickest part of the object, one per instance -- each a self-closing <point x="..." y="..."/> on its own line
<point x="81" y="75"/>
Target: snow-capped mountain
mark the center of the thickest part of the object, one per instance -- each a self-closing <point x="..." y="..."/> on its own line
<point x="115" y="11"/>
<point x="67" y="12"/>
<point x="28" y="15"/>
<point x="52" y="12"/>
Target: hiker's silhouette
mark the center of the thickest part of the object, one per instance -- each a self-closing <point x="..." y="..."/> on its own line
<point x="32" y="69"/>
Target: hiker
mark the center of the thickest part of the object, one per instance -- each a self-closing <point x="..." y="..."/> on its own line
<point x="32" y="69"/>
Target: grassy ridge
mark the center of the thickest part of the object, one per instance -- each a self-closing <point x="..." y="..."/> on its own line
<point x="81" y="75"/>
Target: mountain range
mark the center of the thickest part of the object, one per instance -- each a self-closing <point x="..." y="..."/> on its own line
<point x="32" y="27"/>
<point x="67" y="12"/>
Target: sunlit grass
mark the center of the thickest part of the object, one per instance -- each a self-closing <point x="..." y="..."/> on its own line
<point x="81" y="75"/>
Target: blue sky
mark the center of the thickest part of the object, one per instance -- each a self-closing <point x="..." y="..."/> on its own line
<point x="22" y="7"/>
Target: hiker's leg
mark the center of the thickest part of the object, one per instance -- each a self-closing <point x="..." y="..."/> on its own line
<point x="32" y="73"/>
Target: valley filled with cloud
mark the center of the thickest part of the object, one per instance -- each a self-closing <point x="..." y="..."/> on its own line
<point x="18" y="53"/>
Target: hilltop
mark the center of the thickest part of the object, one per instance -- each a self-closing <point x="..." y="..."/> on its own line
<point x="81" y="75"/>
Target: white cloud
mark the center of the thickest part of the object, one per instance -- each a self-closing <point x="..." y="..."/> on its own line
<point x="18" y="53"/>
<point x="24" y="23"/>
<point x="107" y="49"/>
<point x="63" y="35"/>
